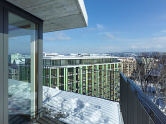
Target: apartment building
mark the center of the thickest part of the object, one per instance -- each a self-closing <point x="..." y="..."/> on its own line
<point x="129" y="65"/>
<point x="86" y="74"/>
<point x="147" y="62"/>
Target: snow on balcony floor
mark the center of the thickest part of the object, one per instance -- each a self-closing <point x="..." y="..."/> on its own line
<point x="70" y="107"/>
<point x="80" y="109"/>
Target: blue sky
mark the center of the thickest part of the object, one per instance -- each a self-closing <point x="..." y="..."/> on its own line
<point x="114" y="26"/>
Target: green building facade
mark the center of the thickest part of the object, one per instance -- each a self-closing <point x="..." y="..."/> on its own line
<point x="93" y="79"/>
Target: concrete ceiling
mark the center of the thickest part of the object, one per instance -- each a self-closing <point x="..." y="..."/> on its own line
<point x="56" y="14"/>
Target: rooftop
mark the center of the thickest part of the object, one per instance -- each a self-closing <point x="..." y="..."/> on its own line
<point x="76" y="56"/>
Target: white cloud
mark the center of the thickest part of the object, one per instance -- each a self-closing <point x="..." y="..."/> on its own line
<point x="162" y="32"/>
<point x="134" y="47"/>
<point x="110" y="36"/>
<point x="152" y="44"/>
<point x="58" y="36"/>
<point x="107" y="35"/>
<point x="109" y="48"/>
<point x="99" y="26"/>
<point x="158" y="46"/>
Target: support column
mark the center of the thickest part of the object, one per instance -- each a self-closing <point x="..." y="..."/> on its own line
<point x="114" y="81"/>
<point x="50" y="77"/>
<point x="106" y="81"/>
<point x="44" y="76"/>
<point x="97" y="81"/>
<point x="2" y="52"/>
<point x="57" y="77"/>
<point x="33" y="70"/>
<point x="80" y="79"/>
<point x="86" y="80"/>
<point x="102" y="81"/>
<point x="92" y="80"/>
<point x="74" y="79"/>
<point x="66" y="78"/>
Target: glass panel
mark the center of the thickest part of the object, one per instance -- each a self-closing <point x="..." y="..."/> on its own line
<point x="22" y="47"/>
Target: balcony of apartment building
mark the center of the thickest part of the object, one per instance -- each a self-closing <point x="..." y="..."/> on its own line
<point x="118" y="97"/>
<point x="86" y="95"/>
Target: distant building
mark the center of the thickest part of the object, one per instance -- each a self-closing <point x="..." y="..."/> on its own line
<point x="18" y="58"/>
<point x="149" y="63"/>
<point x="129" y="65"/>
<point x="19" y="67"/>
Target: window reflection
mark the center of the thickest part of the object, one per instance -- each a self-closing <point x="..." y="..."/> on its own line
<point x="22" y="47"/>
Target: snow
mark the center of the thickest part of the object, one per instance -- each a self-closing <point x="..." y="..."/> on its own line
<point x="19" y="97"/>
<point x="66" y="106"/>
<point x="151" y="93"/>
<point x="77" y="108"/>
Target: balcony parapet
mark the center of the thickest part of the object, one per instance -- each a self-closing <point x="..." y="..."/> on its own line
<point x="136" y="107"/>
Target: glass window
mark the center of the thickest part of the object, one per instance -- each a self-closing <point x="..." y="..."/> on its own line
<point x="22" y="67"/>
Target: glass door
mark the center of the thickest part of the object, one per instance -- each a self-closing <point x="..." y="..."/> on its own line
<point x="22" y="68"/>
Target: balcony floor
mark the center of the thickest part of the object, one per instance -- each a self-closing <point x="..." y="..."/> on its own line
<point x="77" y="108"/>
<point x="47" y="120"/>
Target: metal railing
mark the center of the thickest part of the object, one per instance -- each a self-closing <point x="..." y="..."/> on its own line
<point x="136" y="107"/>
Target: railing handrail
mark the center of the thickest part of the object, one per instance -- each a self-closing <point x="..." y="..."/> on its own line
<point x="154" y="112"/>
<point x="145" y="100"/>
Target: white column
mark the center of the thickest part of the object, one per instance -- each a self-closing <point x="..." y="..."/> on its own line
<point x="32" y="66"/>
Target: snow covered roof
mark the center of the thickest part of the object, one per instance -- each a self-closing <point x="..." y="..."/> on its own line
<point x="78" y="57"/>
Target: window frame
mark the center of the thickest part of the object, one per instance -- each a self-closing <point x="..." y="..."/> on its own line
<point x="5" y="8"/>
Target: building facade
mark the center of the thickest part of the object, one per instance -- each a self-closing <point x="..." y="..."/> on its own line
<point x="88" y="75"/>
<point x="129" y="65"/>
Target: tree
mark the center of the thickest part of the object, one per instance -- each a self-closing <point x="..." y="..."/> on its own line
<point x="151" y="71"/>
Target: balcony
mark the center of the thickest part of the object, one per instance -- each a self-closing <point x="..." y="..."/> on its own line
<point x="113" y="100"/>
<point x="121" y="99"/>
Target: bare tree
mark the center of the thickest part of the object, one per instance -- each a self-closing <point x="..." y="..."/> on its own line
<point x="151" y="70"/>
<point x="145" y="65"/>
